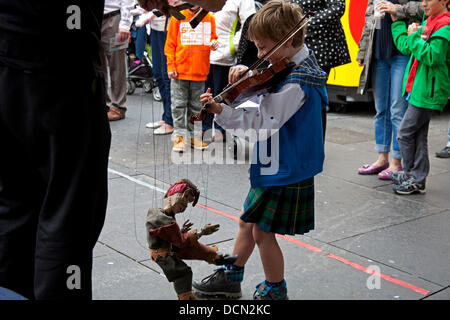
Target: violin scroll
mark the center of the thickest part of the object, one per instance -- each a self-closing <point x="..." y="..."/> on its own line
<point x="199" y="117"/>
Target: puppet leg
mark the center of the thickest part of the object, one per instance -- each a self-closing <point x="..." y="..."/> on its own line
<point x="180" y="274"/>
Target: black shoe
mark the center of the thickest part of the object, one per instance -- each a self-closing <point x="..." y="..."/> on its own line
<point x="444" y="153"/>
<point x="217" y="284"/>
<point x="264" y="292"/>
<point x="409" y="187"/>
<point x="225" y="259"/>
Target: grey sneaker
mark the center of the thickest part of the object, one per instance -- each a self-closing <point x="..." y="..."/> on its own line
<point x="264" y="292"/>
<point x="399" y="177"/>
<point x="409" y="187"/>
<point x="217" y="284"/>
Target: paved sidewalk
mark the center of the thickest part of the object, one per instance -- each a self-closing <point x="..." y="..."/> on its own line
<point x="360" y="222"/>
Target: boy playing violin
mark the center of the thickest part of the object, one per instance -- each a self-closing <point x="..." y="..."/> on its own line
<point x="289" y="113"/>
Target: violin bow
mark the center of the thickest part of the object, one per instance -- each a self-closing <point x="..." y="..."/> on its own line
<point x="281" y="42"/>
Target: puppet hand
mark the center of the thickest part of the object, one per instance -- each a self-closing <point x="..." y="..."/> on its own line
<point x="186" y="226"/>
<point x="209" y="229"/>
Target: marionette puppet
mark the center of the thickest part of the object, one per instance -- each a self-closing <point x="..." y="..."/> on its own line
<point x="170" y="245"/>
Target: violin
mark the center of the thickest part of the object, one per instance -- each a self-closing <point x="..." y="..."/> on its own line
<point x="258" y="80"/>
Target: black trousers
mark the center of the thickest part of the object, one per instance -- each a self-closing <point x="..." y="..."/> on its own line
<point x="54" y="142"/>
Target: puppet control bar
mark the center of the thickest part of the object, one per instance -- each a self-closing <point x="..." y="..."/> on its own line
<point x="175" y="12"/>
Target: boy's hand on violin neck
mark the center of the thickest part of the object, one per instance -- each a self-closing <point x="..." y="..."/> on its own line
<point x="212" y="107"/>
<point x="236" y="72"/>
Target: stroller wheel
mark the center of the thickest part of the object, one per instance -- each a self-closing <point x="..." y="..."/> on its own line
<point x="148" y="87"/>
<point x="157" y="94"/>
<point x="131" y="86"/>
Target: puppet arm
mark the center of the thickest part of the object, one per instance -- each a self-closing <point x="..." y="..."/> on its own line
<point x="172" y="234"/>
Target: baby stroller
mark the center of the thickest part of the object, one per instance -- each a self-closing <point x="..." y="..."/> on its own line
<point x="141" y="71"/>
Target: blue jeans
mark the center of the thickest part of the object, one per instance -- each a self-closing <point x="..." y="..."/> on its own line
<point x="141" y="41"/>
<point x="448" y="142"/>
<point x="158" y="40"/>
<point x="390" y="105"/>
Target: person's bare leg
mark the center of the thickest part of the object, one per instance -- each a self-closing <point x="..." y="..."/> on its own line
<point x="270" y="253"/>
<point x="244" y="244"/>
<point x="395" y="164"/>
<point x="383" y="158"/>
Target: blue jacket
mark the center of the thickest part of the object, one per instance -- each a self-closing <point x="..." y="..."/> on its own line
<point x="296" y="151"/>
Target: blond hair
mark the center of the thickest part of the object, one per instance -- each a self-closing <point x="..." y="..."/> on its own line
<point x="274" y="20"/>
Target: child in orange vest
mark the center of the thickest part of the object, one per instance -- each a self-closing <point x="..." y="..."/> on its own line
<point x="187" y="51"/>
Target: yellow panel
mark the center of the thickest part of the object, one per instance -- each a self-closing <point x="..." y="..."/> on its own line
<point x="347" y="75"/>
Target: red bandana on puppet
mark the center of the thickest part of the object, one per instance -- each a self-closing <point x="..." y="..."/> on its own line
<point x="180" y="187"/>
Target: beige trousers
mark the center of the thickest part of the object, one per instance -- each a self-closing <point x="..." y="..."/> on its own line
<point x="115" y="63"/>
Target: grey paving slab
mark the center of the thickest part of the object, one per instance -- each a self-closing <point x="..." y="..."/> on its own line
<point x="116" y="277"/>
<point x="317" y="276"/>
<point x="124" y="228"/>
<point x="344" y="209"/>
<point x="444" y="294"/>
<point x="212" y="180"/>
<point x="437" y="191"/>
<point x="312" y="275"/>
<point x="101" y="250"/>
<point x="426" y="254"/>
<point x="343" y="161"/>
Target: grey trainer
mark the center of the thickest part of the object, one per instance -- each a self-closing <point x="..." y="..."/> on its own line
<point x="264" y="292"/>
<point x="399" y="177"/>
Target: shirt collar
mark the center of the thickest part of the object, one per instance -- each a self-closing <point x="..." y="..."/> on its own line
<point x="301" y="55"/>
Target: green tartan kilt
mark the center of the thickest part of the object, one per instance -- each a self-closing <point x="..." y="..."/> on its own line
<point x="282" y="209"/>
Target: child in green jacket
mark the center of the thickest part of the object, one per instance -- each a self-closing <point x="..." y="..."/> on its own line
<point x="427" y="86"/>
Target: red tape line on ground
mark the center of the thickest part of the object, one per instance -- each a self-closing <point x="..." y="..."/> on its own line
<point x="332" y="256"/>
<point x="383" y="276"/>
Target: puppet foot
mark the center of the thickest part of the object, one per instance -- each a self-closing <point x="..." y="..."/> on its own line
<point x="187" y="296"/>
<point x="225" y="259"/>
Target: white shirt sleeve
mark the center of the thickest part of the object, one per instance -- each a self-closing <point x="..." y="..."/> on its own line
<point x="273" y="111"/>
<point x="126" y="18"/>
<point x="246" y="9"/>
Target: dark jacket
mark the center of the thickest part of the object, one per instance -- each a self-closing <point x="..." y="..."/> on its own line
<point x="44" y="35"/>
<point x="325" y="34"/>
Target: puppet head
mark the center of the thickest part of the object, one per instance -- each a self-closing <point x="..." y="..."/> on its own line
<point x="179" y="195"/>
